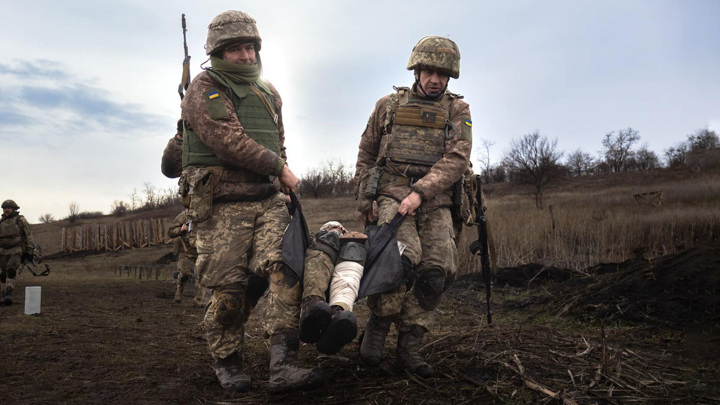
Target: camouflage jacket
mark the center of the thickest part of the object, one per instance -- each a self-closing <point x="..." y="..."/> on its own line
<point x="15" y="235"/>
<point x="171" y="164"/>
<point x="185" y="242"/>
<point x="434" y="186"/>
<point x="243" y="158"/>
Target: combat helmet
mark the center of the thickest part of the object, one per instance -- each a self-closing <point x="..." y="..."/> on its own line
<point x="231" y="26"/>
<point x="10" y="204"/>
<point x="438" y="53"/>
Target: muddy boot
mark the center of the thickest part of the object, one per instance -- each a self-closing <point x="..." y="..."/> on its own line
<point x="408" y="355"/>
<point x="315" y="316"/>
<point x="181" y="281"/>
<point x="7" y="297"/>
<point x="230" y="373"/>
<point x="376" y="331"/>
<point x="285" y="371"/>
<point x="341" y="331"/>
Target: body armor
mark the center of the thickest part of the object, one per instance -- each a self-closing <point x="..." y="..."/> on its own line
<point x="416" y="129"/>
<point x="10" y="232"/>
<point x="257" y="115"/>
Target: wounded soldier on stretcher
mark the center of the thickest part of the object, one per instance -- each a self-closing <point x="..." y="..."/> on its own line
<point x="333" y="270"/>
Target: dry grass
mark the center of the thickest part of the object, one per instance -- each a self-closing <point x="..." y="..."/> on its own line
<point x="596" y="220"/>
<point x="594" y="224"/>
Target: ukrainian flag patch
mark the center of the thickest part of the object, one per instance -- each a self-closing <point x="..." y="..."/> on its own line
<point x="213" y="94"/>
<point x="468" y="123"/>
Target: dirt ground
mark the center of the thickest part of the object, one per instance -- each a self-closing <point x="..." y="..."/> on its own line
<point x="633" y="332"/>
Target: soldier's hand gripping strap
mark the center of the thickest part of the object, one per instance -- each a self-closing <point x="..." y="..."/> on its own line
<point x="428" y="289"/>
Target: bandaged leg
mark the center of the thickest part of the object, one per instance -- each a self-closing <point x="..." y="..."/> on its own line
<point x="345" y="284"/>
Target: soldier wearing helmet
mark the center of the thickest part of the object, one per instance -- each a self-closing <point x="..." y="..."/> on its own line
<point x="415" y="147"/>
<point x="233" y="171"/>
<point x="16" y="246"/>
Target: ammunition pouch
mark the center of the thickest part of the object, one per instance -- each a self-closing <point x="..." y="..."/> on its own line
<point x="201" y="188"/>
<point x="370" y="183"/>
<point x="184" y="190"/>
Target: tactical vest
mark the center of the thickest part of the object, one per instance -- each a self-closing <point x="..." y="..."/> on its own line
<point x="258" y="117"/>
<point x="10" y="232"/>
<point x="416" y="129"/>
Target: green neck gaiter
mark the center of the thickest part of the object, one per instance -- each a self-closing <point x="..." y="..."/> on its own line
<point x="240" y="74"/>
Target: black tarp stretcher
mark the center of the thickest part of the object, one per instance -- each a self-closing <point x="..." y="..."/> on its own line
<point x="296" y="238"/>
<point x="383" y="266"/>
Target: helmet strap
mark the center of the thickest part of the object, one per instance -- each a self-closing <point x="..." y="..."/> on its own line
<point x="431" y="96"/>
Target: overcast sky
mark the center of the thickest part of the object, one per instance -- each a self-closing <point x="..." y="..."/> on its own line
<point x="88" y="93"/>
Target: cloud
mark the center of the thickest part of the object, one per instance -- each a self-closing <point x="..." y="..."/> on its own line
<point x="43" y="97"/>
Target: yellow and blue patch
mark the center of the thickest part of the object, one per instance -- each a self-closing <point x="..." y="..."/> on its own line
<point x="213" y="94"/>
<point x="468" y="123"/>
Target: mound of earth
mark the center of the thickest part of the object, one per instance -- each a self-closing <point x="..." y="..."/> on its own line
<point x="680" y="290"/>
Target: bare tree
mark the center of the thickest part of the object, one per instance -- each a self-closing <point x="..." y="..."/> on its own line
<point x="118" y="208"/>
<point x="484" y="159"/>
<point x="74" y="210"/>
<point x="579" y="163"/>
<point x="534" y="160"/>
<point x="332" y="178"/>
<point x="46" y="218"/>
<point x="618" y="148"/>
<point x="134" y="199"/>
<point x="703" y="139"/>
<point x="150" y="196"/>
<point x="645" y="159"/>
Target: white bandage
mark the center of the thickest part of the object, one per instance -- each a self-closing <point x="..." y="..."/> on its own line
<point x="345" y="284"/>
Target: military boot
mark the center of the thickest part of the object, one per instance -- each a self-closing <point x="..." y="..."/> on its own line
<point x="181" y="282"/>
<point x="341" y="331"/>
<point x="315" y="316"/>
<point x="285" y="371"/>
<point x="408" y="355"/>
<point x="7" y="297"/>
<point x="373" y="341"/>
<point x="230" y="373"/>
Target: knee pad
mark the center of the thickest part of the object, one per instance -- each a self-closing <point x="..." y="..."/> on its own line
<point x="256" y="287"/>
<point x="429" y="287"/>
<point x="183" y="278"/>
<point x="328" y="243"/>
<point x="11" y="272"/>
<point x="227" y="307"/>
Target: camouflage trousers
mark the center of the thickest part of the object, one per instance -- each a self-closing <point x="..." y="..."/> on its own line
<point x="430" y="244"/>
<point x="186" y="263"/>
<point x="238" y="245"/>
<point x="318" y="271"/>
<point x="9" y="266"/>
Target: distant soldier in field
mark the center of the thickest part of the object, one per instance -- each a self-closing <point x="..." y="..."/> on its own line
<point x="187" y="255"/>
<point x="16" y="247"/>
<point x="233" y="168"/>
<point x="415" y="149"/>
